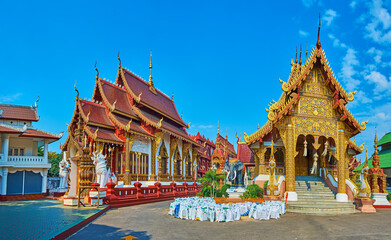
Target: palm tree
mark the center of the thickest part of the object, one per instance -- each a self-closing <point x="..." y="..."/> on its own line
<point x="211" y="178"/>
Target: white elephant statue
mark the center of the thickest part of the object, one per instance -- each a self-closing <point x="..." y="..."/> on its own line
<point x="102" y="174"/>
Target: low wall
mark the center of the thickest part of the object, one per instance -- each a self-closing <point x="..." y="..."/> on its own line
<point x="22" y="197"/>
<point x="122" y="197"/>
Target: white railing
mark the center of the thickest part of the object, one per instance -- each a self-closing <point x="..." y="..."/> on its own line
<point x="26" y="159"/>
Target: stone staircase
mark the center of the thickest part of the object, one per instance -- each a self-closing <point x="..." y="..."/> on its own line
<point x="315" y="197"/>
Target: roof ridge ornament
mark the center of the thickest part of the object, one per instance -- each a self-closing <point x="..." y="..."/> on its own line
<point x="119" y="59"/>
<point x="96" y="69"/>
<point x="300" y="56"/>
<point x="296" y="55"/>
<point x="306" y="53"/>
<point x="318" y="45"/>
<point x="77" y="95"/>
<point x="36" y="101"/>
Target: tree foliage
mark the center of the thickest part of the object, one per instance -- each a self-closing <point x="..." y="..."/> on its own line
<point x="252" y="191"/>
<point x="210" y="183"/>
<point x="55" y="159"/>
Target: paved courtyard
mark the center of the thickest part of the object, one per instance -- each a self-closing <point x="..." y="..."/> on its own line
<point x="150" y="221"/>
<point x="38" y="219"/>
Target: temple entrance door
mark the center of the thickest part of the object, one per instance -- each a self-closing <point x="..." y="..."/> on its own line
<point x="303" y="159"/>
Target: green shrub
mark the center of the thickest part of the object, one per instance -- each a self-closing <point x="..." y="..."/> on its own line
<point x="253" y="191"/>
<point x="265" y="184"/>
<point x="389" y="197"/>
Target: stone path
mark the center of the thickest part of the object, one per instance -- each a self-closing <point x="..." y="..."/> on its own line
<point x="38" y="219"/>
<point x="150" y="221"/>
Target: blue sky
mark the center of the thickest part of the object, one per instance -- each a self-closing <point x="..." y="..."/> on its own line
<point x="221" y="59"/>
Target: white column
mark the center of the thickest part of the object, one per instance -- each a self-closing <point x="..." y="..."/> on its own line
<point x="45" y="153"/>
<point x="4" y="182"/>
<point x="5" y="147"/>
<point x="44" y="180"/>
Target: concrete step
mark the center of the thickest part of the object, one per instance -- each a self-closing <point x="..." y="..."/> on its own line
<point x="322" y="213"/>
<point x="332" y="205"/>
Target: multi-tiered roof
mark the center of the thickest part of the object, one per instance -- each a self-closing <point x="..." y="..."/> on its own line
<point x="129" y="105"/>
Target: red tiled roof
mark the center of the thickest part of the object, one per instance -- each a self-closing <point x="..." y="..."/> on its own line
<point x="5" y="129"/>
<point x="97" y="113"/>
<point x="114" y="93"/>
<point x="167" y="126"/>
<point x="220" y="140"/>
<point x="133" y="126"/>
<point x="244" y="153"/>
<point x="105" y="134"/>
<point x="159" y="101"/>
<point x="203" y="139"/>
<point x="17" y="112"/>
<point x="34" y="133"/>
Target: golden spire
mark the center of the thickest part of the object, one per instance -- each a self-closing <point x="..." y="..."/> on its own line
<point x="119" y="59"/>
<point x="218" y="127"/>
<point x="306" y="53"/>
<point x="376" y="151"/>
<point x="366" y="159"/>
<point x="150" y="71"/>
<point x="296" y="56"/>
<point x="318" y="42"/>
<point x="300" y="55"/>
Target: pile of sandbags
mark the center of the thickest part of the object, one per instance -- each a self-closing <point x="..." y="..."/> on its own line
<point x="206" y="209"/>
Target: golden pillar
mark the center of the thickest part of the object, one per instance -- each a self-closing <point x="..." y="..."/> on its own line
<point x="152" y="175"/>
<point x="290" y="157"/>
<point x="341" y="151"/>
<point x="128" y="147"/>
<point x="256" y="169"/>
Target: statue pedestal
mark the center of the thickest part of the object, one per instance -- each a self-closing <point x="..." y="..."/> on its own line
<point x="94" y="197"/>
<point x="235" y="192"/>
<point x="365" y="205"/>
<point x="381" y="199"/>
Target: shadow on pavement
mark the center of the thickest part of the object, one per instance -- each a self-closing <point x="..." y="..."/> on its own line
<point x="97" y="231"/>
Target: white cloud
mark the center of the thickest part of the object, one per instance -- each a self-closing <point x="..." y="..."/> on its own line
<point x="308" y="3"/>
<point x="10" y="98"/>
<point x="353" y="4"/>
<point x="329" y="16"/>
<point x="380" y="22"/>
<point x="205" y="126"/>
<point x="362" y="98"/>
<point x="348" y="71"/>
<point x="382" y="85"/>
<point x="377" y="54"/>
<point x="303" y="33"/>
<point x="336" y="41"/>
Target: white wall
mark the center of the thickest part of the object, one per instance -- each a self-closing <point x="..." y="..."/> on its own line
<point x="30" y="147"/>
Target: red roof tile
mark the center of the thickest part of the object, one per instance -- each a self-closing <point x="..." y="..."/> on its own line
<point x="159" y="101"/>
<point x="114" y="93"/>
<point x="105" y="134"/>
<point x="167" y="126"/>
<point x="5" y="129"/>
<point x="34" y="133"/>
<point x="220" y="140"/>
<point x="244" y="153"/>
<point x="97" y="113"/>
<point x="17" y="112"/>
<point x="133" y="126"/>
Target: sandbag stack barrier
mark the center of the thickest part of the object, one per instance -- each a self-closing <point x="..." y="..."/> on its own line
<point x="206" y="209"/>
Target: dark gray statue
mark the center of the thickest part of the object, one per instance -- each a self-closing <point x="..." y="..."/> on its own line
<point x="235" y="172"/>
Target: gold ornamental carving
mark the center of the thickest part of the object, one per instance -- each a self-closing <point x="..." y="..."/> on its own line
<point x="315" y="107"/>
<point x="309" y="126"/>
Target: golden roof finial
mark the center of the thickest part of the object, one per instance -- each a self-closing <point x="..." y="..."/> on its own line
<point x="77" y="95"/>
<point x="318" y="42"/>
<point x="96" y="69"/>
<point x="306" y="53"/>
<point x="218" y="127"/>
<point x="376" y="151"/>
<point x="150" y="70"/>
<point x="296" y="55"/>
<point x="119" y="59"/>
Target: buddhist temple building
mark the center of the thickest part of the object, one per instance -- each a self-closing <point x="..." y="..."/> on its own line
<point x="137" y="126"/>
<point x="23" y="170"/>
<point x="224" y="151"/>
<point x="310" y="124"/>
<point x="204" y="153"/>
<point x="247" y="157"/>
